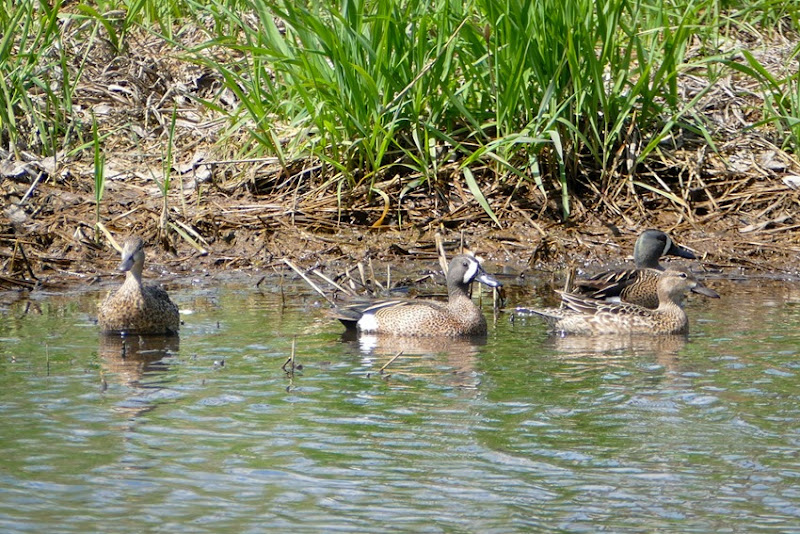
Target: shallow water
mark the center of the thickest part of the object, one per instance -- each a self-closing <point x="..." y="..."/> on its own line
<point x="522" y="432"/>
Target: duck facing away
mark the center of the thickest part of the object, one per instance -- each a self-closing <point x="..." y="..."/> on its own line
<point x="459" y="316"/>
<point x="635" y="286"/>
<point x="135" y="308"/>
<point x="587" y="316"/>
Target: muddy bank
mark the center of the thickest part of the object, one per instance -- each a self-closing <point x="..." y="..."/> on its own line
<point x="49" y="238"/>
<point x="735" y="206"/>
<point x="49" y="234"/>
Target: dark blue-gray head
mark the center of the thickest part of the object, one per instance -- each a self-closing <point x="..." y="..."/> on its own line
<point x="465" y="269"/>
<point x="652" y="244"/>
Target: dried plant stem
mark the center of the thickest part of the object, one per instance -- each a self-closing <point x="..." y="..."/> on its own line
<point x="393" y="358"/>
<point x="314" y="286"/>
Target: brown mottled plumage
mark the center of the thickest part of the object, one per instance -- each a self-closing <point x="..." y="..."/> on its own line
<point x="459" y="316"/>
<point x="584" y="315"/>
<point x="135" y="308"/>
<point x="639" y="285"/>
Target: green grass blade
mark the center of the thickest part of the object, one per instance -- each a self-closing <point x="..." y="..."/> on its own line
<point x="475" y="189"/>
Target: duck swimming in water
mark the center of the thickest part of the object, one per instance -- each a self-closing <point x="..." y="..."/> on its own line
<point x="136" y="308"/>
<point x="588" y="316"/>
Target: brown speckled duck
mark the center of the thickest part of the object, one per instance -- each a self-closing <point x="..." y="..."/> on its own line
<point x="639" y="285"/>
<point x="587" y="316"/>
<point x="459" y="316"/>
<point x="135" y="308"/>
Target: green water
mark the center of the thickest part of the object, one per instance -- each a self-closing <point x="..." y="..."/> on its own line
<point x="522" y="433"/>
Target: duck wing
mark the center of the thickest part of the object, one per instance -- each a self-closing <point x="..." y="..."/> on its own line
<point x="349" y="314"/>
<point x="591" y="306"/>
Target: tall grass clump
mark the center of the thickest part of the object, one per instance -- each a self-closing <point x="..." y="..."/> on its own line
<point x="781" y="97"/>
<point x="518" y="87"/>
<point x="40" y="71"/>
<point x="547" y="92"/>
<point x="426" y="91"/>
<point x="165" y="183"/>
<point x="362" y="82"/>
<point x="99" y="178"/>
<point x="585" y="73"/>
<point x="161" y="16"/>
<point x="34" y="86"/>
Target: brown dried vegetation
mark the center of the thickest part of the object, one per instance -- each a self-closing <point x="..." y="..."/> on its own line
<point x="737" y="206"/>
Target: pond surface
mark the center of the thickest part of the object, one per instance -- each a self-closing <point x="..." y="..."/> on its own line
<point x="524" y="432"/>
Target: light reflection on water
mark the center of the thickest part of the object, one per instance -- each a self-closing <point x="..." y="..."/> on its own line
<point x="521" y="431"/>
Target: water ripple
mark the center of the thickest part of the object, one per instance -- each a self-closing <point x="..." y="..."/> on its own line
<point x="521" y="433"/>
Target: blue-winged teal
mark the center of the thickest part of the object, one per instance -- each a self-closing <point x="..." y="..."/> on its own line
<point x="584" y="315"/>
<point x="639" y="285"/>
<point x="135" y="308"/>
<point x="459" y="316"/>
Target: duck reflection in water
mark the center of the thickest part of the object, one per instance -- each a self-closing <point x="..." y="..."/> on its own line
<point x="131" y="359"/>
<point x="421" y="356"/>
<point x="602" y="349"/>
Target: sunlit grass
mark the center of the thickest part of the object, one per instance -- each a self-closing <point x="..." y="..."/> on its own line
<point x="513" y="86"/>
<point x="99" y="177"/>
<point x="164" y="184"/>
<point x="32" y="112"/>
<point x="781" y="97"/>
<point x="514" y="91"/>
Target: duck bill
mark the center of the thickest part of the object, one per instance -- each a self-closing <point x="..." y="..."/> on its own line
<point x="487" y="279"/>
<point x="700" y="289"/>
<point x="126" y="264"/>
<point x="677" y="250"/>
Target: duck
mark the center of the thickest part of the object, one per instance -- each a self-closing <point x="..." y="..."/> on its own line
<point x="136" y="308"/>
<point x="588" y="316"/>
<point x="459" y="316"/>
<point x="639" y="285"/>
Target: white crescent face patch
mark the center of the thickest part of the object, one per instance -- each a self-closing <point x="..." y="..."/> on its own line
<point x="472" y="271"/>
<point x="667" y="246"/>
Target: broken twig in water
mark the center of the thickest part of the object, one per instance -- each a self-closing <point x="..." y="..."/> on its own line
<point x="387" y="364"/>
<point x="18" y="246"/>
<point x="308" y="281"/>
<point x="289" y="365"/>
<point x="374" y="278"/>
<point x="360" y="267"/>
<point x="333" y="283"/>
